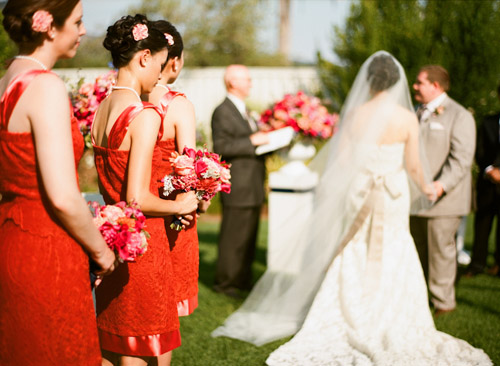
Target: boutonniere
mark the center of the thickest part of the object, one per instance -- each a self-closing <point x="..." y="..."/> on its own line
<point x="438" y="111"/>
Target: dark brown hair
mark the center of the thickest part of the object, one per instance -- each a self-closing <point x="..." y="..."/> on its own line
<point x="436" y="73"/>
<point x="120" y="41"/>
<point x="18" y="18"/>
<point x="174" y="50"/>
<point x="382" y="73"/>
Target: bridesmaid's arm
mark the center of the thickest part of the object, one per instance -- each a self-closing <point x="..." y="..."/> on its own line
<point x="48" y="112"/>
<point x="181" y="111"/>
<point x="143" y="133"/>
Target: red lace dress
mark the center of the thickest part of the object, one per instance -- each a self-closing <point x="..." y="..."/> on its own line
<point x="184" y="244"/>
<point x="136" y="309"/>
<point x="46" y="311"/>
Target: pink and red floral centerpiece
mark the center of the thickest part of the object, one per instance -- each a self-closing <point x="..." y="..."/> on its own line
<point x="197" y="170"/>
<point x="87" y="98"/>
<point x="304" y="113"/>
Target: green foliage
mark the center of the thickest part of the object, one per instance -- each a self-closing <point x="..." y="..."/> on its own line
<point x="7" y="47"/>
<point x="215" y="32"/>
<point x="459" y="35"/>
<point x="91" y="53"/>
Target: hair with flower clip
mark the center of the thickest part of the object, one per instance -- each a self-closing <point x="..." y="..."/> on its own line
<point x="42" y="21"/>
<point x="176" y="46"/>
<point x="140" y="32"/>
<point x="131" y="34"/>
<point x="28" y="21"/>
<point x="169" y="39"/>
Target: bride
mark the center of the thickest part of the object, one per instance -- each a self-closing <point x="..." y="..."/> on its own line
<point x="359" y="296"/>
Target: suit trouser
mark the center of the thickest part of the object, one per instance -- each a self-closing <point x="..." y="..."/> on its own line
<point x="237" y="242"/>
<point x="435" y="241"/>
<point x="483" y="223"/>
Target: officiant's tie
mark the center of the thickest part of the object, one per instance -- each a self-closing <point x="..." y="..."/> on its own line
<point x="251" y="121"/>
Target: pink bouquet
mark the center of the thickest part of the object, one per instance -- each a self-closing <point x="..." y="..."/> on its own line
<point x="303" y="113"/>
<point x="122" y="226"/>
<point x="197" y="170"/>
<point x="86" y="100"/>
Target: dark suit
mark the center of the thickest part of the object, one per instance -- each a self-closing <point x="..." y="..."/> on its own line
<point x="488" y="193"/>
<point x="241" y="208"/>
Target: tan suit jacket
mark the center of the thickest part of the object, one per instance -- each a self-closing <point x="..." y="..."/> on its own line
<point x="449" y="140"/>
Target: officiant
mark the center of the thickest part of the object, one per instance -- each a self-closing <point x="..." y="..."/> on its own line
<point x="235" y="137"/>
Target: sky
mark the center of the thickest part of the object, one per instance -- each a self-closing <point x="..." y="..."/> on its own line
<point x="312" y="23"/>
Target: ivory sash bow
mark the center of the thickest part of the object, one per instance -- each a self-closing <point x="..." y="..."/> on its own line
<point x="373" y="204"/>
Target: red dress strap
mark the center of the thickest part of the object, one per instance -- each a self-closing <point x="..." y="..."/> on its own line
<point x="167" y="98"/>
<point x="119" y="129"/>
<point x="13" y="92"/>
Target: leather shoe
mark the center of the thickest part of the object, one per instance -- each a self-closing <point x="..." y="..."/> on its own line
<point x="439" y="312"/>
<point x="231" y="292"/>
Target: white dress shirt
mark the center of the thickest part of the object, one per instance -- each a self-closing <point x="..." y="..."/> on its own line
<point x="241" y="107"/>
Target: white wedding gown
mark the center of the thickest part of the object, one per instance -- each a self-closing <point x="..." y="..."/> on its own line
<point x="372" y="307"/>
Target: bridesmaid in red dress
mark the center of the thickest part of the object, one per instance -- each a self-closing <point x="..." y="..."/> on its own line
<point x="46" y="230"/>
<point x="136" y="309"/>
<point x="179" y="130"/>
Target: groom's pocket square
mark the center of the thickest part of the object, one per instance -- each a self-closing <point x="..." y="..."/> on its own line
<point x="436" y="126"/>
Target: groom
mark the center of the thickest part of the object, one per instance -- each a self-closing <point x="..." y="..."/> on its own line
<point x="448" y="135"/>
<point x="235" y="137"/>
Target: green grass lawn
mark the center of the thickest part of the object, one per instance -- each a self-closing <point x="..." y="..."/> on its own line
<point x="476" y="320"/>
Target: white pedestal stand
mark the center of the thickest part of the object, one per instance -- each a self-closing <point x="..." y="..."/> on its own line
<point x="290" y="203"/>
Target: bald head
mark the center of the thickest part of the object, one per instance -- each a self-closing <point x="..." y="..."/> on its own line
<point x="238" y="81"/>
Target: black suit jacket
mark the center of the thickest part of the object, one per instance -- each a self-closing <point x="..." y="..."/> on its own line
<point x="487" y="153"/>
<point x="230" y="135"/>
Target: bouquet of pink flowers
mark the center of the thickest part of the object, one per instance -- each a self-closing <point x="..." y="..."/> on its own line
<point x="303" y="113"/>
<point x="197" y="170"/>
<point x="87" y="98"/>
<point x="122" y="226"/>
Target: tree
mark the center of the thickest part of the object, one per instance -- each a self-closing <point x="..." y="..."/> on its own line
<point x="7" y="47"/>
<point x="215" y="32"/>
<point x="459" y="35"/>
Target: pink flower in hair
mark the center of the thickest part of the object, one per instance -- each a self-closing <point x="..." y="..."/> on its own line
<point x="169" y="39"/>
<point x="41" y="21"/>
<point x="140" y="32"/>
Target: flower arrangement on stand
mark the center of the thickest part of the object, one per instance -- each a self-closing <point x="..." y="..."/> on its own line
<point x="197" y="170"/>
<point x="304" y="113"/>
<point x="86" y="98"/>
<point x="311" y="122"/>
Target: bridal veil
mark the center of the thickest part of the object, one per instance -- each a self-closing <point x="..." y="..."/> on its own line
<point x="279" y="302"/>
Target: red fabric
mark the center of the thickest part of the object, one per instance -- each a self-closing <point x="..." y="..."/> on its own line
<point x="137" y="299"/>
<point x="46" y="311"/>
<point x="184" y="244"/>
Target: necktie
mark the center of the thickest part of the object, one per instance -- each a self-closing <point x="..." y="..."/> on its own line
<point x="251" y="121"/>
<point x="421" y="111"/>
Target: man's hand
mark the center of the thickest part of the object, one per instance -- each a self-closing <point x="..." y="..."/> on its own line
<point x="493" y="175"/>
<point x="259" y="138"/>
<point x="438" y="187"/>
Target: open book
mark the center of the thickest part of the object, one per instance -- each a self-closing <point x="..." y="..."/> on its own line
<point x="277" y="139"/>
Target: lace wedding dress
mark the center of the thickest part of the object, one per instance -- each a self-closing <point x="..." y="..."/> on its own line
<point x="372" y="307"/>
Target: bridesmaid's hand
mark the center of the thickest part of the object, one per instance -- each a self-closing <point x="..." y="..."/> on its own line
<point x="107" y="262"/>
<point x="203" y="206"/>
<point x="188" y="203"/>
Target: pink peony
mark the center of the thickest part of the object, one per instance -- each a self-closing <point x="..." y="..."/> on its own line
<point x="183" y="165"/>
<point x="140" y="32"/>
<point x="41" y="21"/>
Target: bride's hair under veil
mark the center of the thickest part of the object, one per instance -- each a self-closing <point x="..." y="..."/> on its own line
<point x="280" y="301"/>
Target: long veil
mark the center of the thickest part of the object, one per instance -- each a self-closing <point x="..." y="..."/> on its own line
<point x="279" y="302"/>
